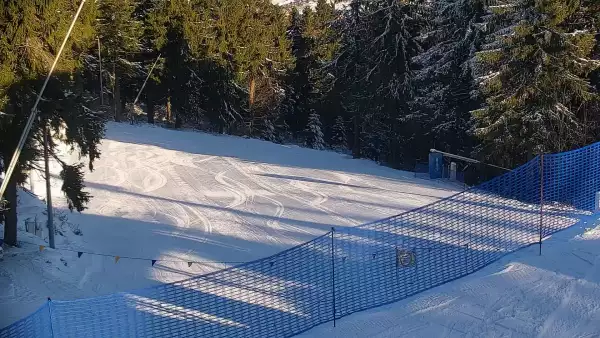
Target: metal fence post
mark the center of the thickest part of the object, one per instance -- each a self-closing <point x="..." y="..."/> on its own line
<point x="50" y="315"/>
<point x="541" y="198"/>
<point x="333" y="274"/>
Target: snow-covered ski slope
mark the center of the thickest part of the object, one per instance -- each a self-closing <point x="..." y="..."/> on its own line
<point x="524" y="294"/>
<point x="349" y="269"/>
<point x="189" y="196"/>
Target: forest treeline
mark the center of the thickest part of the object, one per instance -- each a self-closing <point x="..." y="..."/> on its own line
<point x="387" y="80"/>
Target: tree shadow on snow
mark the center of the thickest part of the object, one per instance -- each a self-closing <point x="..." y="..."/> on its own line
<point x="258" y="151"/>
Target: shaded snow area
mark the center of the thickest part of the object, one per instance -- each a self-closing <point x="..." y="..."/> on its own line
<point x="180" y="196"/>
<point x="524" y="294"/>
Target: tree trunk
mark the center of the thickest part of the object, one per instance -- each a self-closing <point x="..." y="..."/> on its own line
<point x="178" y="121"/>
<point x="251" y="91"/>
<point x="150" y="108"/>
<point x="357" y="118"/>
<point x="124" y="112"/>
<point x="356" y="136"/>
<point x="116" y="95"/>
<point x="10" y="214"/>
<point x="169" y="113"/>
<point x="100" y="74"/>
<point x="49" y="211"/>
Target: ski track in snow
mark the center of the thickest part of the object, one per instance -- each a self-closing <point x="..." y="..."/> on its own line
<point x="239" y="197"/>
<point x="337" y="216"/>
<point x="174" y="195"/>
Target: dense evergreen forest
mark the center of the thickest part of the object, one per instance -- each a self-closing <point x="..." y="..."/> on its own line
<point x="386" y="80"/>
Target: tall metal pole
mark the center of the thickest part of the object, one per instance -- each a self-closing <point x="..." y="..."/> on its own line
<point x="101" y="88"/>
<point x="32" y="115"/>
<point x="50" y="223"/>
<point x="541" y="198"/>
<point x="333" y="274"/>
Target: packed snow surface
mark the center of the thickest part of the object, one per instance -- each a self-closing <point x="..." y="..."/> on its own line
<point x="179" y="196"/>
<point x="524" y="294"/>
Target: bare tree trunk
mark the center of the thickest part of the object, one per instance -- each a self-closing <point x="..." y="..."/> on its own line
<point x="150" y="108"/>
<point x="356" y="136"/>
<point x="357" y="118"/>
<point x="178" y="121"/>
<point x="49" y="210"/>
<point x="10" y="214"/>
<point x="116" y="95"/>
<point x="251" y="91"/>
<point x="169" y="112"/>
<point x="100" y="74"/>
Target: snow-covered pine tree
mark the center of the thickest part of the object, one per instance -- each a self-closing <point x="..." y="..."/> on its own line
<point x="268" y="131"/>
<point x="313" y="132"/>
<point x="120" y="34"/>
<point x="445" y="83"/>
<point x="392" y="28"/>
<point x="338" y="134"/>
<point x="533" y="74"/>
<point x="297" y="80"/>
<point x="36" y="30"/>
<point x="348" y="66"/>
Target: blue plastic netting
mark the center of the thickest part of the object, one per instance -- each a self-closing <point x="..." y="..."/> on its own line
<point x="346" y="270"/>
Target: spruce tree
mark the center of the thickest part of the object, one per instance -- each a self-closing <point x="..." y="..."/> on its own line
<point x="252" y="47"/>
<point x="120" y="32"/>
<point x="298" y="80"/>
<point x="533" y="75"/>
<point x="441" y="109"/>
<point x="313" y="45"/>
<point x="268" y="131"/>
<point x="313" y="132"/>
<point x="378" y="61"/>
<point x="169" y="27"/>
<point x="323" y="46"/>
<point x="338" y="134"/>
<point x="349" y="66"/>
<point x="31" y="32"/>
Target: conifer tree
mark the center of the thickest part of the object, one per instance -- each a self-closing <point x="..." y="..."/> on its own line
<point x="323" y="46"/>
<point x="248" y="47"/>
<point x="377" y="61"/>
<point x="533" y="74"/>
<point x="169" y="28"/>
<point x="120" y="32"/>
<point x="338" y="134"/>
<point x="31" y="33"/>
<point x="348" y="65"/>
<point x="313" y="132"/>
<point x="298" y="80"/>
<point x="268" y="131"/>
<point x="445" y="96"/>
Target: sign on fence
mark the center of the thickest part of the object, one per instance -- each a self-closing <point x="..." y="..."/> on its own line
<point x="405" y="258"/>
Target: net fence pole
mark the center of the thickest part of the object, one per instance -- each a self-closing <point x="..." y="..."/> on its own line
<point x="50" y="316"/>
<point x="333" y="275"/>
<point x="541" y="199"/>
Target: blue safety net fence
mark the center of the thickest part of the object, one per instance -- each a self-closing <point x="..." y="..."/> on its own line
<point x="347" y="269"/>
